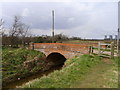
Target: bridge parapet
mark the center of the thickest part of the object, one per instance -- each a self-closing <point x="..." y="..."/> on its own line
<point x="68" y="50"/>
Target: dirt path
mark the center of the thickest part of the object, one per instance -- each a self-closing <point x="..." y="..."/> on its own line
<point x="100" y="76"/>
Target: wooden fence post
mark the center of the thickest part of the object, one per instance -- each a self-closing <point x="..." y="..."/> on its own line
<point x="32" y="46"/>
<point x="99" y="52"/>
<point x="89" y="49"/>
<point x="92" y="50"/>
<point x="119" y="50"/>
<point x="112" y="50"/>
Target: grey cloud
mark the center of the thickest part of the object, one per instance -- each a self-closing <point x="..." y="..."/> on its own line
<point x="40" y="15"/>
<point x="91" y="19"/>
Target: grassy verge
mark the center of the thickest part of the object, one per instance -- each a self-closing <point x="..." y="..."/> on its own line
<point x="73" y="69"/>
<point x="13" y="60"/>
<point x="115" y="72"/>
<point x="103" y="75"/>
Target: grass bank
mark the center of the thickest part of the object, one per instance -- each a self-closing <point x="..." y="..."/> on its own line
<point x="103" y="75"/>
<point x="13" y="62"/>
<point x="73" y="69"/>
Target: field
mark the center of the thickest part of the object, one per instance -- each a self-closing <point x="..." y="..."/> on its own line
<point x="82" y="72"/>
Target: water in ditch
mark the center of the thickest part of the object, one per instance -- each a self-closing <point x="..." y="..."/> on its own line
<point x="30" y="78"/>
<point x="57" y="60"/>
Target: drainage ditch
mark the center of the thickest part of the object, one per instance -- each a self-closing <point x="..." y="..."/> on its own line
<point x="54" y="61"/>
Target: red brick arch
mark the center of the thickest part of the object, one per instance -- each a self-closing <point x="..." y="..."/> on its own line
<point x="67" y="50"/>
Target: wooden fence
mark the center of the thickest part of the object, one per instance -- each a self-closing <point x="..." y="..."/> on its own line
<point x="104" y="49"/>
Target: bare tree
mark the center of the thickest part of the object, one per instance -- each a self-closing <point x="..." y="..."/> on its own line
<point x="14" y="31"/>
<point x="1" y="23"/>
<point x="18" y="30"/>
<point x="23" y="30"/>
<point x="1" y="27"/>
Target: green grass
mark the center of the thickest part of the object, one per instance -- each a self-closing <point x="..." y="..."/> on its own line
<point x="74" y="68"/>
<point x="103" y="75"/>
<point x="13" y="59"/>
<point x="116" y="61"/>
<point x="81" y="72"/>
<point x="78" y="41"/>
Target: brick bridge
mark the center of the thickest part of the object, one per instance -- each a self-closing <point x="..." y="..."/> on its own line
<point x="58" y="53"/>
<point x="67" y="50"/>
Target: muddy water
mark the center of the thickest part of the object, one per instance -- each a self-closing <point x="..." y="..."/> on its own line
<point x="30" y="78"/>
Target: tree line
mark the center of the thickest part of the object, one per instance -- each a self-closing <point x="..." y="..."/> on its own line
<point x="19" y="35"/>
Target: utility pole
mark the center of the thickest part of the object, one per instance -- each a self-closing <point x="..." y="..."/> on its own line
<point x="52" y="26"/>
<point x="118" y="43"/>
<point x="118" y="39"/>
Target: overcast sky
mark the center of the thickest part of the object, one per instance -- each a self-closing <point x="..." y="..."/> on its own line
<point x="74" y="18"/>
